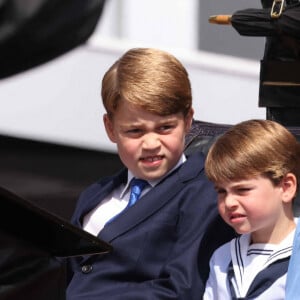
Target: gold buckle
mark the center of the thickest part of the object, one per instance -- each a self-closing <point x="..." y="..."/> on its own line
<point x="277" y="8"/>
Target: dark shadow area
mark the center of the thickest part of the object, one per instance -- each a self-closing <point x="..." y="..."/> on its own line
<point x="35" y="32"/>
<point x="52" y="176"/>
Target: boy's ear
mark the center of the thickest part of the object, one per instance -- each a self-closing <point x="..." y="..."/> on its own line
<point x="289" y="187"/>
<point x="108" y="124"/>
<point x="189" y="120"/>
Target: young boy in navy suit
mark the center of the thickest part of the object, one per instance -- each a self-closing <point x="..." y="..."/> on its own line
<point x="162" y="243"/>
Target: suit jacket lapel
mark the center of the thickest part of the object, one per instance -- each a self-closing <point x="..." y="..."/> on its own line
<point x="98" y="194"/>
<point x="153" y="200"/>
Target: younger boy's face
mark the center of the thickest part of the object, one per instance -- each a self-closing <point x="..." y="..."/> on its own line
<point x="149" y="145"/>
<point x="258" y="207"/>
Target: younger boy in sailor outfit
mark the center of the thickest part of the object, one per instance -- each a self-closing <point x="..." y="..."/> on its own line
<point x="255" y="167"/>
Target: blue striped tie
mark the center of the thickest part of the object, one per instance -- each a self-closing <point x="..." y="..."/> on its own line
<point x="137" y="186"/>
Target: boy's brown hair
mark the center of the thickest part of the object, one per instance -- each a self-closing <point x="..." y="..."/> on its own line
<point x="152" y="79"/>
<point x="252" y="148"/>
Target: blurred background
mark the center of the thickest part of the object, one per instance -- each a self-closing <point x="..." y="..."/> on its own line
<point x="53" y="142"/>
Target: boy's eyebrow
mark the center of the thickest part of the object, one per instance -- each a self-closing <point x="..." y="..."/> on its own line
<point x="167" y="120"/>
<point x="162" y="121"/>
<point x="234" y="184"/>
<point x="129" y="126"/>
<point x="216" y="186"/>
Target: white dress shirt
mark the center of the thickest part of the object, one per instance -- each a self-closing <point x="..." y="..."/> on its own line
<point x="115" y="202"/>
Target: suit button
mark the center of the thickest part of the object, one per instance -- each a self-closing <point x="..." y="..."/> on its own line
<point x="86" y="269"/>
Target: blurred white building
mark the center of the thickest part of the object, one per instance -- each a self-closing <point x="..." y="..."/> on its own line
<point x="60" y="101"/>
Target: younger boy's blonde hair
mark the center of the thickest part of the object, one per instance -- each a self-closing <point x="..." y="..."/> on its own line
<point x="151" y="79"/>
<point x="252" y="148"/>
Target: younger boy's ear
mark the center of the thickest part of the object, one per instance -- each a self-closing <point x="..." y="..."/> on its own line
<point x="108" y="124"/>
<point x="289" y="187"/>
<point x="189" y="120"/>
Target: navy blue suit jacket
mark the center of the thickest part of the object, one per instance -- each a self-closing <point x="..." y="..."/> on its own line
<point x="161" y="245"/>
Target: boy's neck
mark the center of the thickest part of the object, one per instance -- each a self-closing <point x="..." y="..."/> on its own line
<point x="275" y="235"/>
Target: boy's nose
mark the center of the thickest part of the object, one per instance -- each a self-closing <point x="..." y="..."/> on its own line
<point x="230" y="201"/>
<point x="151" y="141"/>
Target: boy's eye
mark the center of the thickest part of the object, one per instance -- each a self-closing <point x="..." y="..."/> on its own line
<point x="243" y="190"/>
<point x="220" y="191"/>
<point x="134" y="130"/>
<point x="165" y="128"/>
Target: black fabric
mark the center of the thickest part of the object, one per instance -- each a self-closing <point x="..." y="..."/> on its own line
<point x="27" y="272"/>
<point x="30" y="239"/>
<point x="258" y="22"/>
<point x="279" y="87"/>
<point x="34" y="32"/>
<point x="287" y="116"/>
<point x="202" y="135"/>
<point x="49" y="175"/>
<point x="26" y="221"/>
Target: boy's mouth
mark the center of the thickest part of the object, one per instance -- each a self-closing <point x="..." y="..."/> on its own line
<point x="152" y="158"/>
<point x="236" y="217"/>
